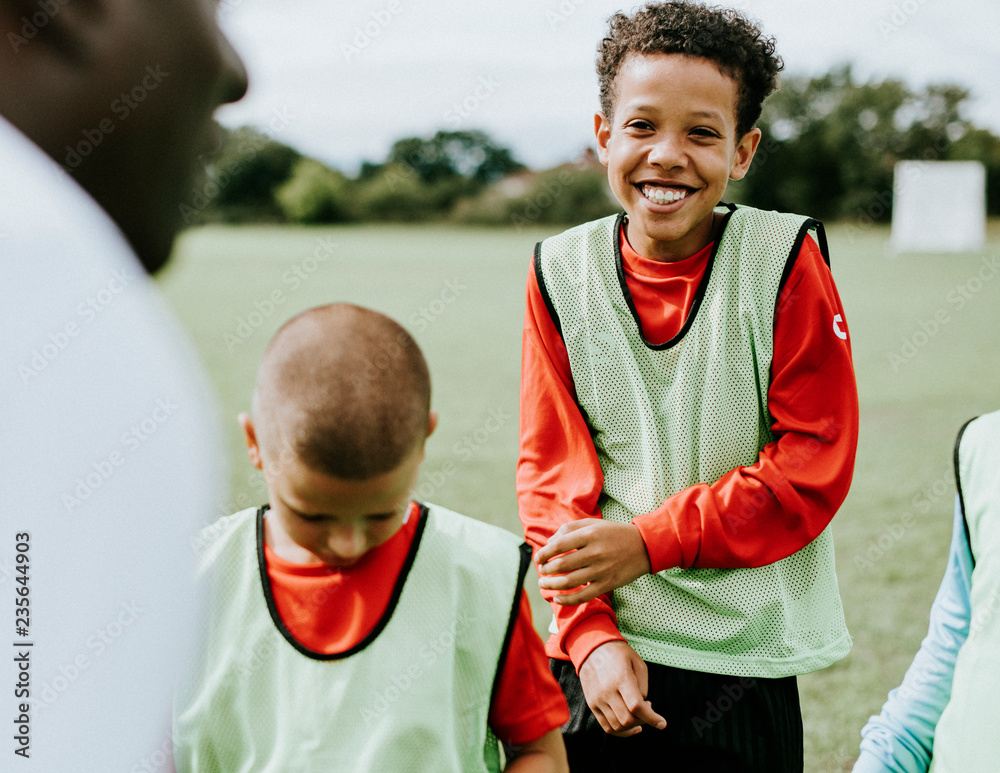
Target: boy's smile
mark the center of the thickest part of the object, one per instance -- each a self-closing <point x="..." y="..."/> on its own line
<point x="671" y="148"/>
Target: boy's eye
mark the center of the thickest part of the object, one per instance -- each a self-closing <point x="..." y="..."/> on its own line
<point x="703" y="131"/>
<point x="639" y="124"/>
<point x="378" y="517"/>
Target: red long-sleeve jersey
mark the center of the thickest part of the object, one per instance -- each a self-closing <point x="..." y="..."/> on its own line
<point x="751" y="516"/>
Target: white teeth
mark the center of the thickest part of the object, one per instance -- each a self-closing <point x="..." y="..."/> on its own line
<point x="662" y="195"/>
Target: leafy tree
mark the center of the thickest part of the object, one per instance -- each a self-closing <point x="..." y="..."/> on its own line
<point x="394" y="193"/>
<point x="981" y="145"/>
<point x="830" y="143"/>
<point x="315" y="194"/>
<point x="565" y="195"/>
<point x="243" y="175"/>
<point x="441" y="171"/>
<point x="469" y="154"/>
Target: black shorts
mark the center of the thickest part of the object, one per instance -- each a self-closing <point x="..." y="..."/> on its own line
<point x="715" y="724"/>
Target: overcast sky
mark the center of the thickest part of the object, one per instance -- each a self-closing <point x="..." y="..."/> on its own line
<point x="343" y="81"/>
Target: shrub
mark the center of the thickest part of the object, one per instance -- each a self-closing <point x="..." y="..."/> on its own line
<point x="315" y="194"/>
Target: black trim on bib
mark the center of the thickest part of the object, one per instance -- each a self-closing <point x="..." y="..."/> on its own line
<point x="698" y="296"/>
<point x="793" y="254"/>
<point x="958" y="484"/>
<point x="515" y="607"/>
<point x="537" y="264"/>
<point x="379" y="626"/>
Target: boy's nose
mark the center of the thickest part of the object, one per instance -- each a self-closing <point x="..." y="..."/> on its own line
<point x="348" y="542"/>
<point x="666" y="152"/>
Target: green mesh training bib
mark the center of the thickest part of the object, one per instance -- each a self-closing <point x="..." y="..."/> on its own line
<point x="413" y="696"/>
<point x="666" y="417"/>
<point x="966" y="737"/>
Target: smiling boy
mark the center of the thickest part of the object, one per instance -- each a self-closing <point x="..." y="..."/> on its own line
<point x="688" y="421"/>
<point x="354" y="629"/>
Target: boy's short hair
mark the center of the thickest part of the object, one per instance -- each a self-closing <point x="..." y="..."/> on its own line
<point x="345" y="389"/>
<point x="735" y="44"/>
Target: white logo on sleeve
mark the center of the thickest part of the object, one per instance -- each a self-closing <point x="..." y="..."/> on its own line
<point x="836" y="328"/>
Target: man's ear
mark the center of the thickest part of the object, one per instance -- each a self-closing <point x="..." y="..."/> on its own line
<point x="250" y="435"/>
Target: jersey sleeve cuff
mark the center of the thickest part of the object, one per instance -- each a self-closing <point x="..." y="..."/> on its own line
<point x="590" y="634"/>
<point x="660" y="537"/>
<point x="528" y="729"/>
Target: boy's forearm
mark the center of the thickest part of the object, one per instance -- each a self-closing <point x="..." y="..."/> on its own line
<point x="752" y="516"/>
<point x="588" y="559"/>
<point x="544" y="755"/>
<point x="559" y="478"/>
<point x="760" y="513"/>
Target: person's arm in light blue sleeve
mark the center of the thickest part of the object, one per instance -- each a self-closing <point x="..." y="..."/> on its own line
<point x="901" y="738"/>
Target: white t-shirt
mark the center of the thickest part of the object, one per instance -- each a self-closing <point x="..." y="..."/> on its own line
<point x="110" y="460"/>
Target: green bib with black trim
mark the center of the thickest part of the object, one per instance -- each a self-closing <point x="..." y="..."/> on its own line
<point x="666" y="417"/>
<point x="966" y="737"/>
<point x="413" y="696"/>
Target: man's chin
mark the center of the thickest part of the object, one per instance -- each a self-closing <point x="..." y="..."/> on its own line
<point x="152" y="249"/>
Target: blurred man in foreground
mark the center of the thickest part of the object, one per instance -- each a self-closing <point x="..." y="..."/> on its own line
<point x="109" y="442"/>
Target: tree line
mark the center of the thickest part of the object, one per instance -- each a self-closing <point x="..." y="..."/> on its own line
<point x="828" y="149"/>
<point x="830" y="143"/>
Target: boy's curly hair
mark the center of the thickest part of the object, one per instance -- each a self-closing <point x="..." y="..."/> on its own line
<point x="735" y="44"/>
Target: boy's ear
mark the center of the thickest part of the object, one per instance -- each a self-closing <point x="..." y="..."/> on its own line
<point x="602" y="130"/>
<point x="250" y="435"/>
<point x="745" y="150"/>
<point x="432" y="422"/>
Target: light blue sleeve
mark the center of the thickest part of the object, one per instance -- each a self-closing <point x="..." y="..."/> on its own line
<point x="901" y="738"/>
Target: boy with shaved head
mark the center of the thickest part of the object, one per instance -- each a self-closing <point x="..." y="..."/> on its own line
<point x="355" y="629"/>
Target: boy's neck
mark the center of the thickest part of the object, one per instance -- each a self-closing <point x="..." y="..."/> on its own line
<point x="715" y="232"/>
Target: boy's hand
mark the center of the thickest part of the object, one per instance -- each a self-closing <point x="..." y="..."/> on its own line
<point x="600" y="555"/>
<point x="615" y="682"/>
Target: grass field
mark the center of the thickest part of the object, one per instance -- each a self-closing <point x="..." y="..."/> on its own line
<point x="924" y="331"/>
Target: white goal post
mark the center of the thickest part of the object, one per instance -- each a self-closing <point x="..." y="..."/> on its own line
<point x="938" y="206"/>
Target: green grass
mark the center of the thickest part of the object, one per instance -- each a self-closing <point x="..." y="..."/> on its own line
<point x="461" y="292"/>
